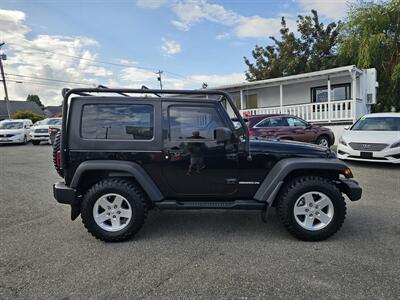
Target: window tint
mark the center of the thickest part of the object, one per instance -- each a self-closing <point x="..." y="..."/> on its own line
<point x="377" y="124"/>
<point x="272" y="122"/>
<point x="184" y="121"/>
<point x="294" y="122"/>
<point x="117" y="122"/>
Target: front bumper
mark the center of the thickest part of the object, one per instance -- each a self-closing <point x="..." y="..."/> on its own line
<point x="39" y="137"/>
<point x="388" y="155"/>
<point x="351" y="188"/>
<point x="13" y="139"/>
<point x="66" y="195"/>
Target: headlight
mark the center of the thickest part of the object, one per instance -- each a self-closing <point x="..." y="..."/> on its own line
<point x="395" y="145"/>
<point x="342" y="141"/>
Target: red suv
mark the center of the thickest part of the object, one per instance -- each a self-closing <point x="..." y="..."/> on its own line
<point x="287" y="127"/>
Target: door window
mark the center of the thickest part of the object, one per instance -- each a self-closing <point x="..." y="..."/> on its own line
<point x="117" y="121"/>
<point x="272" y="122"/>
<point x="294" y="122"/>
<point x="188" y="121"/>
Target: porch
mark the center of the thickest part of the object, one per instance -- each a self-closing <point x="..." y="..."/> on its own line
<point x="330" y="96"/>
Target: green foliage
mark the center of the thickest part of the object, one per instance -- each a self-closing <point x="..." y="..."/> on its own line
<point x="36" y="99"/>
<point x="27" y="115"/>
<point x="312" y="49"/>
<point x="371" y="39"/>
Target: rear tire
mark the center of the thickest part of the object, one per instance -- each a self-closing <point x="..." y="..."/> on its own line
<point x="113" y="210"/>
<point x="35" y="143"/>
<point x="311" y="208"/>
<point x="56" y="148"/>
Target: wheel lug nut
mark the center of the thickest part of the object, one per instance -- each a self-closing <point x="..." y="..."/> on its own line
<point x="108" y="207"/>
<point x="310" y="204"/>
<point x="108" y="214"/>
<point x="115" y="206"/>
<point x="118" y="212"/>
<point x="306" y="209"/>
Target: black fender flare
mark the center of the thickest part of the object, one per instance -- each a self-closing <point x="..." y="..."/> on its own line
<point x="132" y="168"/>
<point x="269" y="188"/>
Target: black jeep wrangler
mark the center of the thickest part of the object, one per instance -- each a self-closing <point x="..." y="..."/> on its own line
<point x="123" y="152"/>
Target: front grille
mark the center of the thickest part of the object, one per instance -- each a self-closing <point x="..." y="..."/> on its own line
<point x="41" y="130"/>
<point x="6" y="135"/>
<point x="368" y="146"/>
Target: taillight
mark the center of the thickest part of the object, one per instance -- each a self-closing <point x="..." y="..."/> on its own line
<point x="58" y="159"/>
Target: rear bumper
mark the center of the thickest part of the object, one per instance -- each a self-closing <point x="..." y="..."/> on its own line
<point x="66" y="195"/>
<point x="351" y="188"/>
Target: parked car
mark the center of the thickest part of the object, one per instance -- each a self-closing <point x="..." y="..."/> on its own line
<point x="40" y="130"/>
<point x="287" y="127"/>
<point x="374" y="137"/>
<point x="15" y="131"/>
<point x="185" y="153"/>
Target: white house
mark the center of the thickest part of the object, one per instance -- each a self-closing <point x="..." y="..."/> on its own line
<point x="334" y="97"/>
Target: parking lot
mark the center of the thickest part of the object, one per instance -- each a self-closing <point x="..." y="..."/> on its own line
<point x="192" y="254"/>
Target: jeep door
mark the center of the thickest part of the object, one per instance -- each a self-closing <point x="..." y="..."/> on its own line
<point x="195" y="164"/>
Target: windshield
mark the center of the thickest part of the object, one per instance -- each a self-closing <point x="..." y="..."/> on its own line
<point x="378" y="124"/>
<point x="51" y="122"/>
<point x="11" y="125"/>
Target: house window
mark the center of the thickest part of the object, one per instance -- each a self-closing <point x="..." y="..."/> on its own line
<point x="251" y="101"/>
<point x="338" y="92"/>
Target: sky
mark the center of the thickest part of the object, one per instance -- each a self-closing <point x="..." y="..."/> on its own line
<point x="123" y="43"/>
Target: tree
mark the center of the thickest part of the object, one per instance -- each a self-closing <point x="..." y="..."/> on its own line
<point x="313" y="48"/>
<point x="36" y="99"/>
<point x="371" y="39"/>
<point x="27" y="115"/>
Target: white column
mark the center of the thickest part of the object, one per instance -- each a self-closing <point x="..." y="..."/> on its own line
<point x="241" y="100"/>
<point x="354" y="94"/>
<point x="281" y="96"/>
<point x="329" y="100"/>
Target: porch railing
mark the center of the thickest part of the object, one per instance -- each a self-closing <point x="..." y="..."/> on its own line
<point x="312" y="112"/>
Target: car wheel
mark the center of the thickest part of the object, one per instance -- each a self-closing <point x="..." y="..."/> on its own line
<point x="311" y="208"/>
<point x="25" y="140"/>
<point x="35" y="143"/>
<point x="113" y="210"/>
<point x="324" y="141"/>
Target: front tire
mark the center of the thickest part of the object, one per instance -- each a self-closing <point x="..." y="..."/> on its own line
<point x="311" y="208"/>
<point x="35" y="143"/>
<point x="113" y="210"/>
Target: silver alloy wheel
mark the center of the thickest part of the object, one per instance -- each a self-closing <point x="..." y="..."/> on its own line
<point x="112" y="212"/>
<point x="324" y="142"/>
<point x="313" y="211"/>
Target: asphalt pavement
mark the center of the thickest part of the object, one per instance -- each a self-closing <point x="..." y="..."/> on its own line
<point x="192" y="254"/>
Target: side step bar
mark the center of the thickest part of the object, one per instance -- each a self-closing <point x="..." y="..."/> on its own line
<point x="237" y="204"/>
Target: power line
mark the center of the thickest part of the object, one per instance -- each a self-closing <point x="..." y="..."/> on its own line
<point x="48" y="79"/>
<point x="107" y="62"/>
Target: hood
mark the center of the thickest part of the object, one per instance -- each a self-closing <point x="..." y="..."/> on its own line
<point x="361" y="136"/>
<point x="289" y="148"/>
<point x="11" y="131"/>
<point x="40" y="127"/>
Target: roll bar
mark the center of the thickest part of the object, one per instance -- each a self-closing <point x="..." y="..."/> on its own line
<point x="67" y="93"/>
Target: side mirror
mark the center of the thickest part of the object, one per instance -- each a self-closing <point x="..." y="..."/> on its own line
<point x="308" y="126"/>
<point x="222" y="134"/>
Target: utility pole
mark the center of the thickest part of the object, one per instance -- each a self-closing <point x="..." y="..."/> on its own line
<point x="4" y="57"/>
<point x="159" y="78"/>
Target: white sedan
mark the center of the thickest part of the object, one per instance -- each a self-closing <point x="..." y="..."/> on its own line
<point x="374" y="137"/>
